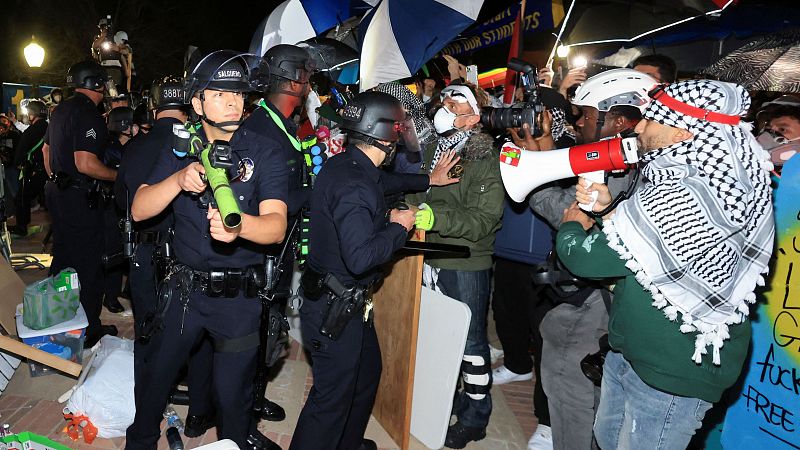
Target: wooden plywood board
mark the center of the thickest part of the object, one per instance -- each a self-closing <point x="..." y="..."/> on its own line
<point x="396" y="318"/>
<point x="11" y="289"/>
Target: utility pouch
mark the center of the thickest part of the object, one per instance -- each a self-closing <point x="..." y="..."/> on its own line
<point x="233" y="282"/>
<point x="216" y="283"/>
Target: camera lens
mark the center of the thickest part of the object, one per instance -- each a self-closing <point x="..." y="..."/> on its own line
<point x="502" y="118"/>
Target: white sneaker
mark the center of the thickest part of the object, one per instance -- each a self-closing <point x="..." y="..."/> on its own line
<point x="501" y="375"/>
<point x="495" y="354"/>
<point x="542" y="439"/>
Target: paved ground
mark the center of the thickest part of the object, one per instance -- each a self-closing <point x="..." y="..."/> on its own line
<point x="29" y="404"/>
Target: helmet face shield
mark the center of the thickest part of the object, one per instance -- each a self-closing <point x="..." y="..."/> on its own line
<point x="408" y="135"/>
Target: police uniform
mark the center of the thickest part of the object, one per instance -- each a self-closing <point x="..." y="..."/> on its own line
<point x="351" y="238"/>
<point x="114" y="269"/>
<point x="231" y="321"/>
<point x="29" y="156"/>
<point x="76" y="125"/>
<point x="149" y="260"/>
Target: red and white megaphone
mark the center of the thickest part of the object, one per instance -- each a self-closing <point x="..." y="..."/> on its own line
<point x="524" y="170"/>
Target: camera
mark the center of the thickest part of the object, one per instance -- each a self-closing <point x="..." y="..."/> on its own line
<point x="530" y="113"/>
<point x="592" y="364"/>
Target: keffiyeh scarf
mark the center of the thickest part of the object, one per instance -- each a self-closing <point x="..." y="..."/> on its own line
<point x="414" y="107"/>
<point x="699" y="234"/>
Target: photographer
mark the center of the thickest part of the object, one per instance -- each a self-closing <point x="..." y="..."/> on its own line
<point x="573" y="328"/>
<point x="467" y="213"/>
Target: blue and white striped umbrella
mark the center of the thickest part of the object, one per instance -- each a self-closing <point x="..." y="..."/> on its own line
<point x="294" y="21"/>
<point x="399" y="36"/>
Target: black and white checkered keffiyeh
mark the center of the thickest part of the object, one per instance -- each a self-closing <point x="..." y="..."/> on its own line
<point x="414" y="107"/>
<point x="699" y="233"/>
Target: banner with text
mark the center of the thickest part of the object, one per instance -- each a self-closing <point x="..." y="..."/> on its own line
<point x="13" y="93"/>
<point x="767" y="413"/>
<point x="539" y="16"/>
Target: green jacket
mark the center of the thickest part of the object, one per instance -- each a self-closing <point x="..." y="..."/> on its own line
<point x="654" y="346"/>
<point x="468" y="212"/>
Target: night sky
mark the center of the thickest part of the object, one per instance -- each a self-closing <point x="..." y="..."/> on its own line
<point x="159" y="32"/>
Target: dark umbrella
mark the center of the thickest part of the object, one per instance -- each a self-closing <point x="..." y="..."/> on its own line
<point x="597" y="21"/>
<point x="771" y="63"/>
<point x="330" y="54"/>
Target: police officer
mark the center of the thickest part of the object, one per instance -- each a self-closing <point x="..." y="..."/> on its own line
<point x="73" y="156"/>
<point x="121" y="130"/>
<point x="287" y="69"/>
<point x="29" y="159"/>
<point x="151" y="254"/>
<point x="213" y="285"/>
<point x="352" y="234"/>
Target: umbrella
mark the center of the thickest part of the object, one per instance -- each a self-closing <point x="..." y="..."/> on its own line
<point x="334" y="58"/>
<point x="601" y="21"/>
<point x="294" y="21"/>
<point x="771" y="63"/>
<point x="399" y="36"/>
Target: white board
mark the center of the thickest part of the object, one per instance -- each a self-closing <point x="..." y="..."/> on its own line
<point x="443" y="327"/>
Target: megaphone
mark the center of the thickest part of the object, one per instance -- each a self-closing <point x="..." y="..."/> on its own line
<point x="523" y="170"/>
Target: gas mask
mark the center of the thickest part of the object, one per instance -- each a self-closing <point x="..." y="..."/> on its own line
<point x="780" y="149"/>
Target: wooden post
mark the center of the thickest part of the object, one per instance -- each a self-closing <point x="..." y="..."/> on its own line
<point x="396" y="308"/>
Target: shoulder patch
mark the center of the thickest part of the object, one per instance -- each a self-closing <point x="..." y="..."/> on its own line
<point x="246" y="168"/>
<point x="91" y="133"/>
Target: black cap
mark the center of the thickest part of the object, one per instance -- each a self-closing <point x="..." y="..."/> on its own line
<point x="222" y="70"/>
<point x="167" y="93"/>
<point x="374" y="114"/>
<point x="120" y="118"/>
<point x="290" y="62"/>
<point x="87" y="75"/>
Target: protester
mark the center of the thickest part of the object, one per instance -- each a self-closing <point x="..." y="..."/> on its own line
<point x="705" y="203"/>
<point x="467" y="213"/>
<point x="660" y="67"/>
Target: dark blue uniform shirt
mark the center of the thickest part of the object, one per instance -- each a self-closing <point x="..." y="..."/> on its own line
<point x="260" y="124"/>
<point x="351" y="235"/>
<point x="263" y="177"/>
<point x="140" y="155"/>
<point x="76" y="124"/>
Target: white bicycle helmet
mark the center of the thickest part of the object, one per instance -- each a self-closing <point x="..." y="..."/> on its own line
<point x="615" y="87"/>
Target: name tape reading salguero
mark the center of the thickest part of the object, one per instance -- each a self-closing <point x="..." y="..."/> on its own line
<point x="538" y="17"/>
<point x="766" y="414"/>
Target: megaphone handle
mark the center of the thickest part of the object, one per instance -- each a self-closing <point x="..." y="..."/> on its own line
<point x="590" y="178"/>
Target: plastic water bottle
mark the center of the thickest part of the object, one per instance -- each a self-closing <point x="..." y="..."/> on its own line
<point x="173" y="419"/>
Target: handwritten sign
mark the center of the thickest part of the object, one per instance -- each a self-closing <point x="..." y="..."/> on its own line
<point x="767" y="412"/>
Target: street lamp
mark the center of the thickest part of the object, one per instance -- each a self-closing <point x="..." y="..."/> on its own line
<point x="34" y="56"/>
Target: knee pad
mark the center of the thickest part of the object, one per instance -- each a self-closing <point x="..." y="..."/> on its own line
<point x="475" y="373"/>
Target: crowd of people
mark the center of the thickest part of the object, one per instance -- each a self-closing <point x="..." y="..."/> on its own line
<point x="633" y="328"/>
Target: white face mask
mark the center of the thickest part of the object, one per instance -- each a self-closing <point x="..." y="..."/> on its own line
<point x="779" y="148"/>
<point x="312" y="103"/>
<point x="444" y="120"/>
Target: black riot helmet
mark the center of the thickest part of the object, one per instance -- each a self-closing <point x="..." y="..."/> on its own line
<point x="87" y="75"/>
<point x="120" y="119"/>
<point x="377" y="116"/>
<point x="167" y="93"/>
<point x="289" y="62"/>
<point x="222" y="70"/>
<point x="36" y="108"/>
<point x="142" y="117"/>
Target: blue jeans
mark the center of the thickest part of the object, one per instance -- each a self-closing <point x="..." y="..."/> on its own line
<point x="472" y="288"/>
<point x="633" y="415"/>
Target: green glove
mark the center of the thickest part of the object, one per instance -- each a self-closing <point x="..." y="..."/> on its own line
<point x="424" y="217"/>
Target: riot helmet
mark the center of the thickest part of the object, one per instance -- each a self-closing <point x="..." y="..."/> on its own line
<point x="120" y="119"/>
<point x="87" y="75"/>
<point x="222" y="70"/>
<point x="290" y="62"/>
<point x="167" y="93"/>
<point x="377" y="116"/>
